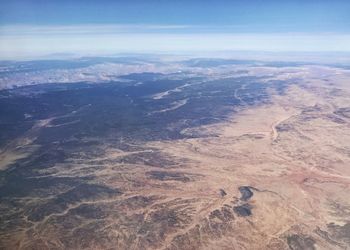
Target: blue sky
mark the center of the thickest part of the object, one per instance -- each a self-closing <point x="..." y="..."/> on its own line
<point x="43" y="27"/>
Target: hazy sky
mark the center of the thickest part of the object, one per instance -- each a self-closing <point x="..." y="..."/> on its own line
<point x="34" y="28"/>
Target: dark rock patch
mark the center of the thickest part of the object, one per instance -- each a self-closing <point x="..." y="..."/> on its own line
<point x="80" y="193"/>
<point x="246" y="193"/>
<point x="168" y="176"/>
<point x="89" y="211"/>
<point x="340" y="233"/>
<point x="154" y="159"/>
<point x="243" y="210"/>
<point x="137" y="202"/>
<point x="224" y="214"/>
<point x="325" y="235"/>
<point x="284" y="127"/>
<point x="344" y="112"/>
<point x="336" y="119"/>
<point x="300" y="242"/>
<point x="222" y="193"/>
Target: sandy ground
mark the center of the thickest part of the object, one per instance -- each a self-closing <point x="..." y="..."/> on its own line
<point x="294" y="150"/>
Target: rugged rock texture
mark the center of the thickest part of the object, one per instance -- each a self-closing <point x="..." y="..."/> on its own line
<point x="245" y="163"/>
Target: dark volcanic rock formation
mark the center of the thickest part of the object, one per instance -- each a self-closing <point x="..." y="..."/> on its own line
<point x="246" y="193"/>
<point x="243" y="210"/>
<point x="300" y="242"/>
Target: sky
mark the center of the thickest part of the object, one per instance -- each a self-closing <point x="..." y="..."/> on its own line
<point x="43" y="27"/>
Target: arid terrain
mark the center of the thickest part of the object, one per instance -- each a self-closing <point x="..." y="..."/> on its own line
<point x="253" y="157"/>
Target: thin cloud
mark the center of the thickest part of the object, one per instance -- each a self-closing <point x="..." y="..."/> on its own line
<point x="31" y="30"/>
<point x="23" y="40"/>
